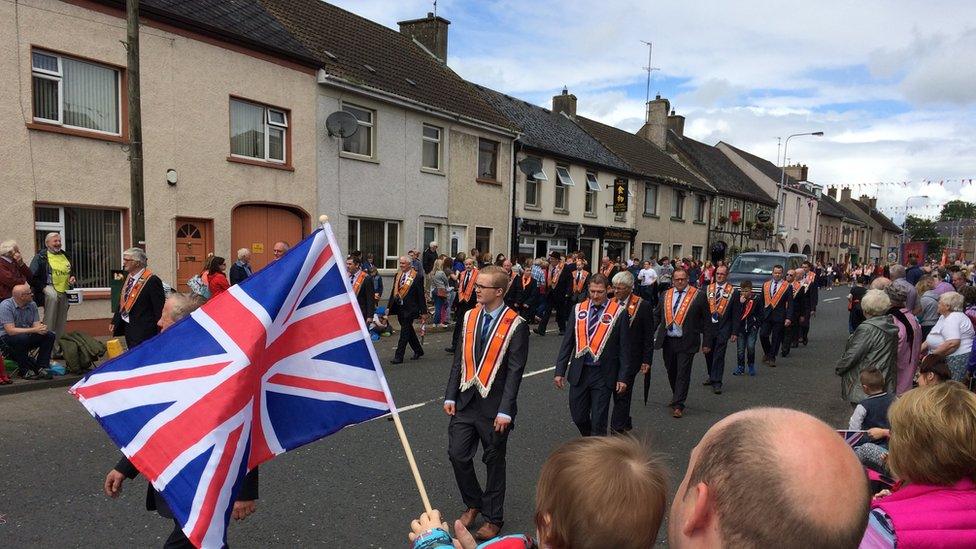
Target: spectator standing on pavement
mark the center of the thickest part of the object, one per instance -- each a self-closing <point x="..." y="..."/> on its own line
<point x="647" y="277"/>
<point x="952" y="336"/>
<point x="914" y="272"/>
<point x="141" y="301"/>
<point x="241" y="269"/>
<point x="440" y="290"/>
<point x="51" y="278"/>
<point x="216" y="279"/>
<point x="899" y="279"/>
<point x="13" y="270"/>
<point x="813" y="498"/>
<point x="873" y="344"/>
<point x="427" y="262"/>
<point x="927" y="309"/>
<point x="22" y="333"/>
<point x="909" y="338"/>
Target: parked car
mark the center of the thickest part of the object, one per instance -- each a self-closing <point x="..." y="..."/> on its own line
<point x="757" y="267"/>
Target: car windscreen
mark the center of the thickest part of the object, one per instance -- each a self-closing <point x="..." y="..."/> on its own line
<point x="755" y="264"/>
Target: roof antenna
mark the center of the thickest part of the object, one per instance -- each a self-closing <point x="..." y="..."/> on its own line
<point x="649" y="69"/>
<point x="435" y="8"/>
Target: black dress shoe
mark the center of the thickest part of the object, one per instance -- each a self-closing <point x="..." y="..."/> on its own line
<point x="717" y="390"/>
<point x="396" y="361"/>
<point x="449" y="350"/>
<point x="416" y="356"/>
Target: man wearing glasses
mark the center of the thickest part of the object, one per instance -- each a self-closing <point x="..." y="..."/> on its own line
<point x="682" y="316"/>
<point x="481" y="397"/>
<point x="595" y="358"/>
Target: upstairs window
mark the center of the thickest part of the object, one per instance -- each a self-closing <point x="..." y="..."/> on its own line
<point x="431" y="147"/>
<point x="75" y="94"/>
<point x="678" y="204"/>
<point x="592" y="187"/>
<point x="650" y="199"/>
<point x="360" y="143"/>
<point x="700" y="208"/>
<point x="487" y="159"/>
<point x="258" y="131"/>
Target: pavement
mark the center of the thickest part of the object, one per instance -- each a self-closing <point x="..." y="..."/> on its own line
<point x="354" y="489"/>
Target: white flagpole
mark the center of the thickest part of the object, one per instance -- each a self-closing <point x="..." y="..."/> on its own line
<point x="324" y="221"/>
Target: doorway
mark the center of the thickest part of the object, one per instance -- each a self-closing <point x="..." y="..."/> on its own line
<point x="194" y="240"/>
<point x="257" y="227"/>
<point x="458" y="240"/>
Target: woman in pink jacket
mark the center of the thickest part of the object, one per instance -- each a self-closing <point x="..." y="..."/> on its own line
<point x="931" y="452"/>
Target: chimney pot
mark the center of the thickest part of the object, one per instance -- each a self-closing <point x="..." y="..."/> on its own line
<point x="655" y="128"/>
<point x="430" y="31"/>
<point x="565" y="102"/>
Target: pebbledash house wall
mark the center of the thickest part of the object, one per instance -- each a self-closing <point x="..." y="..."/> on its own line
<point x="187" y="83"/>
<point x="659" y="227"/>
<point x="392" y="185"/>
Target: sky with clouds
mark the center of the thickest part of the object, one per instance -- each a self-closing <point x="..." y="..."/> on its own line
<point x="892" y="84"/>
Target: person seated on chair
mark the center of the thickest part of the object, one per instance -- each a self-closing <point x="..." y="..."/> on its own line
<point x="21" y="332"/>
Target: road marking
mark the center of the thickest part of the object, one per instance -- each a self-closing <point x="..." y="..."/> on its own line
<point x="829" y="299"/>
<point x="537" y="372"/>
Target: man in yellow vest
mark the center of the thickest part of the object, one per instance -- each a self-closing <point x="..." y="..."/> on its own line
<point x="51" y="278"/>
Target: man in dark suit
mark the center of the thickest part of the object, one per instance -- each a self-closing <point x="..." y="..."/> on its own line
<point x="362" y="286"/>
<point x="141" y="301"/>
<point x="557" y="294"/>
<point x="175" y="308"/>
<point x="466" y="298"/>
<point x="813" y="297"/>
<point x="579" y="278"/>
<point x="595" y="358"/>
<point x="682" y="317"/>
<point x="641" y="328"/>
<point x="522" y="294"/>
<point x="482" y="395"/>
<point x="408" y="303"/>
<point x="722" y="298"/>
<point x="777" y="308"/>
<point x="241" y="269"/>
<point x="791" y="333"/>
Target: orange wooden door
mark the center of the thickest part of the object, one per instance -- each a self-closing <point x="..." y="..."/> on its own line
<point x="194" y="240"/>
<point x="258" y="227"/>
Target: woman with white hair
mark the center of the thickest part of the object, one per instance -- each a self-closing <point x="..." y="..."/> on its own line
<point x="873" y="343"/>
<point x="952" y="336"/>
<point x="13" y="270"/>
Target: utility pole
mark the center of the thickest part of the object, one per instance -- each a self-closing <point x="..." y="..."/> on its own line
<point x="135" y="124"/>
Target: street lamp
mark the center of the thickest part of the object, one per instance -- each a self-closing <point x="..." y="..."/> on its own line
<point x="782" y="178"/>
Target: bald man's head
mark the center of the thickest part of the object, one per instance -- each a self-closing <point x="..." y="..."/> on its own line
<point x="770" y="477"/>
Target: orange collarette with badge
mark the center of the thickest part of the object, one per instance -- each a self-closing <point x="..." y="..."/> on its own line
<point x="633" y="302"/>
<point x="718" y="301"/>
<point x="811" y="278"/>
<point x="480" y="371"/>
<point x="403" y="286"/>
<point x="770" y="299"/>
<point x="526" y="279"/>
<point x="554" y="274"/>
<point x="358" y="282"/>
<point x="579" y="281"/>
<point x="594" y="343"/>
<point x="677" y="318"/>
<point x="129" y="299"/>
<point x="467" y="285"/>
<point x="796" y="287"/>
<point x="607" y="270"/>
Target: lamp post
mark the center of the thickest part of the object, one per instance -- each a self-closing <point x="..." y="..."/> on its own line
<point x="782" y="178"/>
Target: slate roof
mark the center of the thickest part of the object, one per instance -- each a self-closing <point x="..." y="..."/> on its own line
<point x="771" y="170"/>
<point x="552" y="132"/>
<point x="348" y="46"/>
<point x="719" y="170"/>
<point x="878" y="217"/>
<point x="831" y="207"/>
<point x="243" y="22"/>
<point x="642" y="156"/>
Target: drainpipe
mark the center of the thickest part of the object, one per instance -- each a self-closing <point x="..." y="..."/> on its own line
<point x="516" y="147"/>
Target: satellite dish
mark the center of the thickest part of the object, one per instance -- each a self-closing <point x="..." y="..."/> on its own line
<point x="341" y="124"/>
<point x="530" y="165"/>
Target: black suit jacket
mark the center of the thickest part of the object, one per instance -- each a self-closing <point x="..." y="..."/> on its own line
<point x="521" y="298"/>
<point x="583" y="294"/>
<point x="813" y="295"/>
<point x="503" y="396"/>
<point x="697" y="323"/>
<point x="155" y="502"/>
<point x="801" y="300"/>
<point x="415" y="302"/>
<point x="728" y="323"/>
<point x="782" y="311"/>
<point x="237" y="274"/>
<point x="365" y="297"/>
<point x="614" y="360"/>
<point x="144" y="314"/>
<point x="564" y="284"/>
<point x="641" y="333"/>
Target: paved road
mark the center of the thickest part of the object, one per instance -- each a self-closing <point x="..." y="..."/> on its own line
<point x="354" y="489"/>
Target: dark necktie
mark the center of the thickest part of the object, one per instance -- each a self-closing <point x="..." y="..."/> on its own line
<point x="128" y="287"/>
<point x="483" y="340"/>
<point x="594" y="318"/>
<point x="677" y="303"/>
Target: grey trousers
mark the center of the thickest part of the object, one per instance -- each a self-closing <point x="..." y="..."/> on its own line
<point x="55" y="313"/>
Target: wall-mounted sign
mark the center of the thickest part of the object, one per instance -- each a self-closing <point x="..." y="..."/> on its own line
<point x="620" y="195"/>
<point x="257" y="247"/>
<point x="763" y="216"/>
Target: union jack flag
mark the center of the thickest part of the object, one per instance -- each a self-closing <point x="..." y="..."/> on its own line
<point x="276" y="362"/>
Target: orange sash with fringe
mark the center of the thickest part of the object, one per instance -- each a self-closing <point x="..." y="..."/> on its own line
<point x="480" y="371"/>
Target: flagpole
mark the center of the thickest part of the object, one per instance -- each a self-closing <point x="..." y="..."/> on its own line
<point x="324" y="220"/>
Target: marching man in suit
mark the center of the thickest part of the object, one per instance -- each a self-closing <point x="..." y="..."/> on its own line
<point x="791" y="333"/>
<point x="408" y="302"/>
<point x="682" y="317"/>
<point x="595" y="358"/>
<point x="777" y="307"/>
<point x="481" y="398"/>
<point x="466" y="298"/>
<point x="522" y="294"/>
<point x="641" y="328"/>
<point x="722" y="297"/>
<point x="141" y="302"/>
<point x="362" y="286"/>
<point x="813" y="296"/>
<point x="580" y="278"/>
<point x="557" y="294"/>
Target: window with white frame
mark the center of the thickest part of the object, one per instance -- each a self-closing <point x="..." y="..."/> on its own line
<point x="563" y="182"/>
<point x="678" y="204"/>
<point x="532" y="184"/>
<point x="650" y="250"/>
<point x="432" y="147"/>
<point x="487" y="159"/>
<point x="361" y="143"/>
<point x="75" y="94"/>
<point x="378" y="237"/>
<point x="91" y="237"/>
<point x="258" y="131"/>
<point x="592" y="188"/>
<point x="650" y="199"/>
<point x="700" y="202"/>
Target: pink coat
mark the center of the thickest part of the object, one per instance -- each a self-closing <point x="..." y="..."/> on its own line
<point x="908" y="350"/>
<point x="926" y="516"/>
